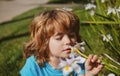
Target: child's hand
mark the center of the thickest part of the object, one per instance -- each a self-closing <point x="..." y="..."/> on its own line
<point x="93" y="65"/>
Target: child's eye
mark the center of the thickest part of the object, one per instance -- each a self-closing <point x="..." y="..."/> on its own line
<point x="72" y="35"/>
<point x="58" y="37"/>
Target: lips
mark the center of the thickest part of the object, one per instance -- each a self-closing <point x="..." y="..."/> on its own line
<point x="68" y="50"/>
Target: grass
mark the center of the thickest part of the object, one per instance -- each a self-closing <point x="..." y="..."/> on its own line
<point x="14" y="33"/>
<point x="12" y="38"/>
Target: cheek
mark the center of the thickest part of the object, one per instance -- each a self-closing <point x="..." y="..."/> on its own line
<point x="53" y="45"/>
<point x="74" y="40"/>
<point x="55" y="50"/>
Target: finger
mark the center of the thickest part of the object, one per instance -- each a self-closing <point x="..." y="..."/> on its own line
<point x="99" y="61"/>
<point x="90" y="57"/>
<point x="88" y="61"/>
<point x="94" y="59"/>
<point x="100" y="67"/>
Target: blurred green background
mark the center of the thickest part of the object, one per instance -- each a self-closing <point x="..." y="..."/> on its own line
<point x="14" y="33"/>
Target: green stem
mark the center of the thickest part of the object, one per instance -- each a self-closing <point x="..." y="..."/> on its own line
<point x="99" y="22"/>
<point x="107" y="66"/>
<point x="80" y="53"/>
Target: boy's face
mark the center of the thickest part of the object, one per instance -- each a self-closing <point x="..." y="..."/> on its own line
<point x="59" y="44"/>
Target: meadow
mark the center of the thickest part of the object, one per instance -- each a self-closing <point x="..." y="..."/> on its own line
<point x="100" y="33"/>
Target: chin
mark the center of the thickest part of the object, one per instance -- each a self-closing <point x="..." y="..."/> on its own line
<point x="66" y="56"/>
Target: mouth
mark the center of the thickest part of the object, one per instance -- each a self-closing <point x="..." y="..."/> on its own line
<point x="68" y="50"/>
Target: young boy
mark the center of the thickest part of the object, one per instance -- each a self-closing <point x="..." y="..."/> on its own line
<point x="52" y="32"/>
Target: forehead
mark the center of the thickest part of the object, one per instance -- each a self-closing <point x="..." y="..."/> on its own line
<point x="60" y="32"/>
<point x="63" y="29"/>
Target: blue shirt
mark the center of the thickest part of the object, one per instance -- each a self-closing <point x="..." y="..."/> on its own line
<point x="31" y="68"/>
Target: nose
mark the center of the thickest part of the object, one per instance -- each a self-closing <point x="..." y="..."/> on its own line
<point x="67" y="40"/>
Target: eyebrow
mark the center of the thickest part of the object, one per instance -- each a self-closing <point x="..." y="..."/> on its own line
<point x="58" y="33"/>
<point x="61" y="33"/>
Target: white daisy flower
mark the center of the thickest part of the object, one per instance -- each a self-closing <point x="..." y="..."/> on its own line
<point x="90" y="6"/>
<point x="71" y="64"/>
<point x="92" y="12"/>
<point x="107" y="38"/>
<point x="67" y="9"/>
<point x="111" y="11"/>
<point x="92" y="1"/>
<point x="67" y="70"/>
<point x="68" y="65"/>
<point x="80" y="46"/>
<point x="82" y="43"/>
<point x="102" y="1"/>
<point x="111" y="74"/>
<point x="76" y="68"/>
<point x="118" y="10"/>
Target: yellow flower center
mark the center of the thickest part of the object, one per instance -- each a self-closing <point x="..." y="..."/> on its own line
<point x="67" y="68"/>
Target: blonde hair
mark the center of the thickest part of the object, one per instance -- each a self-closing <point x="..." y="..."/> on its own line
<point x="43" y="27"/>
